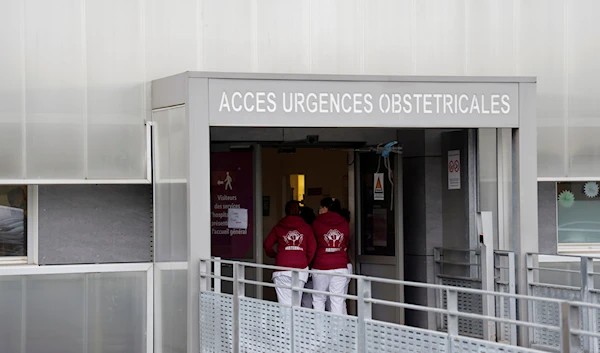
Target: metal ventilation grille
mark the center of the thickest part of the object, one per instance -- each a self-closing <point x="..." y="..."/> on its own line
<point x="391" y="338"/>
<point x="265" y="327"/>
<point x="316" y="331"/>
<point x="216" y="322"/>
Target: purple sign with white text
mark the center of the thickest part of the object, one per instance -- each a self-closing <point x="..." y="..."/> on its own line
<point x="232" y="204"/>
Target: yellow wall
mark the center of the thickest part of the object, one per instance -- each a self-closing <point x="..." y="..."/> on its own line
<point x="326" y="169"/>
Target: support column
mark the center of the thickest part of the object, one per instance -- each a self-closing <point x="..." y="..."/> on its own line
<point x="525" y="167"/>
<point x="198" y="200"/>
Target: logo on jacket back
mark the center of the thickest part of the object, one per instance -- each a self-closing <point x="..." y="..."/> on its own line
<point x="334" y="239"/>
<point x="293" y="240"/>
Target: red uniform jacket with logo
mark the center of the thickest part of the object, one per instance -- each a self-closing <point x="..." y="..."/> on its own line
<point x="333" y="234"/>
<point x="295" y="241"/>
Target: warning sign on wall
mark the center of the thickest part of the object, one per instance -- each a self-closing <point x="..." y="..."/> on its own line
<point x="378" y="187"/>
<point x="454" y="170"/>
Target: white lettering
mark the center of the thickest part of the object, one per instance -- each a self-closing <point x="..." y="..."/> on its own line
<point x="224" y="103"/>
<point x="368" y="103"/>
<point x="335" y="103"/>
<point x="483" y="111"/>
<point x="299" y="102"/>
<point x="238" y="107"/>
<point x="495" y="103"/>
<point x="426" y="103"/>
<point x="474" y="105"/>
<point x="506" y="104"/>
<point x="357" y="104"/>
<point x="311" y="102"/>
<point x="396" y="103"/>
<point x="260" y="102"/>
<point x="323" y="107"/>
<point x="287" y="108"/>
<point x="418" y="97"/>
<point x="408" y="103"/>
<point x="248" y="107"/>
<point x="387" y="103"/>
<point x="466" y="109"/>
<point x="344" y="97"/>
<point x="438" y="98"/>
<point x="448" y="103"/>
<point x="272" y="106"/>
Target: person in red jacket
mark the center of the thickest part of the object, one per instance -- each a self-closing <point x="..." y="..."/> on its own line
<point x="296" y="247"/>
<point x="333" y="234"/>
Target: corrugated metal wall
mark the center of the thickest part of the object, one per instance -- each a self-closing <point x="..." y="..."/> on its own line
<point x="74" y="92"/>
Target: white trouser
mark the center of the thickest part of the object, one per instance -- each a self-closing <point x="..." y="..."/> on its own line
<point x="332" y="284"/>
<point x="284" y="295"/>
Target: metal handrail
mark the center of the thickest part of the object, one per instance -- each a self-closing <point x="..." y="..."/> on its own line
<point x="567" y="329"/>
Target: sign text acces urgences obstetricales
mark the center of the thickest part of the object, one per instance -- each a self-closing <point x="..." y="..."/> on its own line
<point x="360" y="103"/>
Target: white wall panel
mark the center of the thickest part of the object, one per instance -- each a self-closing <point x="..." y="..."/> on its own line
<point x="490" y="34"/>
<point x="541" y="29"/>
<point x="583" y="75"/>
<point x="55" y="88"/>
<point x="171" y="37"/>
<point x="389" y="37"/>
<point x="115" y="89"/>
<point x="336" y="36"/>
<point x="440" y="37"/>
<point x="11" y="89"/>
<point x="283" y="36"/>
<point x="227" y="39"/>
<point x="77" y="71"/>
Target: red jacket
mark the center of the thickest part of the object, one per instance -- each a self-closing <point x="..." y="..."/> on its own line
<point x="295" y="241"/>
<point x="333" y="235"/>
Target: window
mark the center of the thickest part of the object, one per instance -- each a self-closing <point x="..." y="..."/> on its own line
<point x="13" y="222"/>
<point x="578" y="211"/>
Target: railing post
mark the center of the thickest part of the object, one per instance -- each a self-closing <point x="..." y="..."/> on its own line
<point x="452" y="307"/>
<point x="569" y="320"/>
<point x="364" y="311"/>
<point x="296" y="294"/>
<point x="530" y="312"/>
<point x="590" y="344"/>
<point x="487" y="284"/>
<point x="296" y="300"/>
<point x="238" y="292"/>
<point x="512" y="301"/>
<point x="452" y="300"/>
<point x="204" y="279"/>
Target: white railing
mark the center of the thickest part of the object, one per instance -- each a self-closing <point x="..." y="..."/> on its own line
<point x="236" y="323"/>
<point x="505" y="282"/>
<point x="77" y="308"/>
<point x="567" y="278"/>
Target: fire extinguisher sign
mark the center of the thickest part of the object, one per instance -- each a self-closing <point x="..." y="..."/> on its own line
<point x="378" y="187"/>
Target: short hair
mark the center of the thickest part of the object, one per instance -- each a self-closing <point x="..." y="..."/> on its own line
<point x="292" y="208"/>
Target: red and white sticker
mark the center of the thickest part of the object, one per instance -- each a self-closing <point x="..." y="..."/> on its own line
<point x="454" y="170"/>
<point x="378" y="194"/>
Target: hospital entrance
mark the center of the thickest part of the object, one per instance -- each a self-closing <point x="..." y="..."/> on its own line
<point x="409" y="191"/>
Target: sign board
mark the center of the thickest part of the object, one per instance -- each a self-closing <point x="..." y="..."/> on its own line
<point x="281" y="103"/>
<point x="232" y="204"/>
<point x="454" y="170"/>
<point x="378" y="184"/>
<point x="237" y="218"/>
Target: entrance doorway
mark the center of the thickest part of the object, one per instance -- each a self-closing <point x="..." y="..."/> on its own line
<point x="401" y="203"/>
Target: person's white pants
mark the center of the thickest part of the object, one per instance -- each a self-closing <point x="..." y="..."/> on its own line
<point x="334" y="285"/>
<point x="284" y="295"/>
